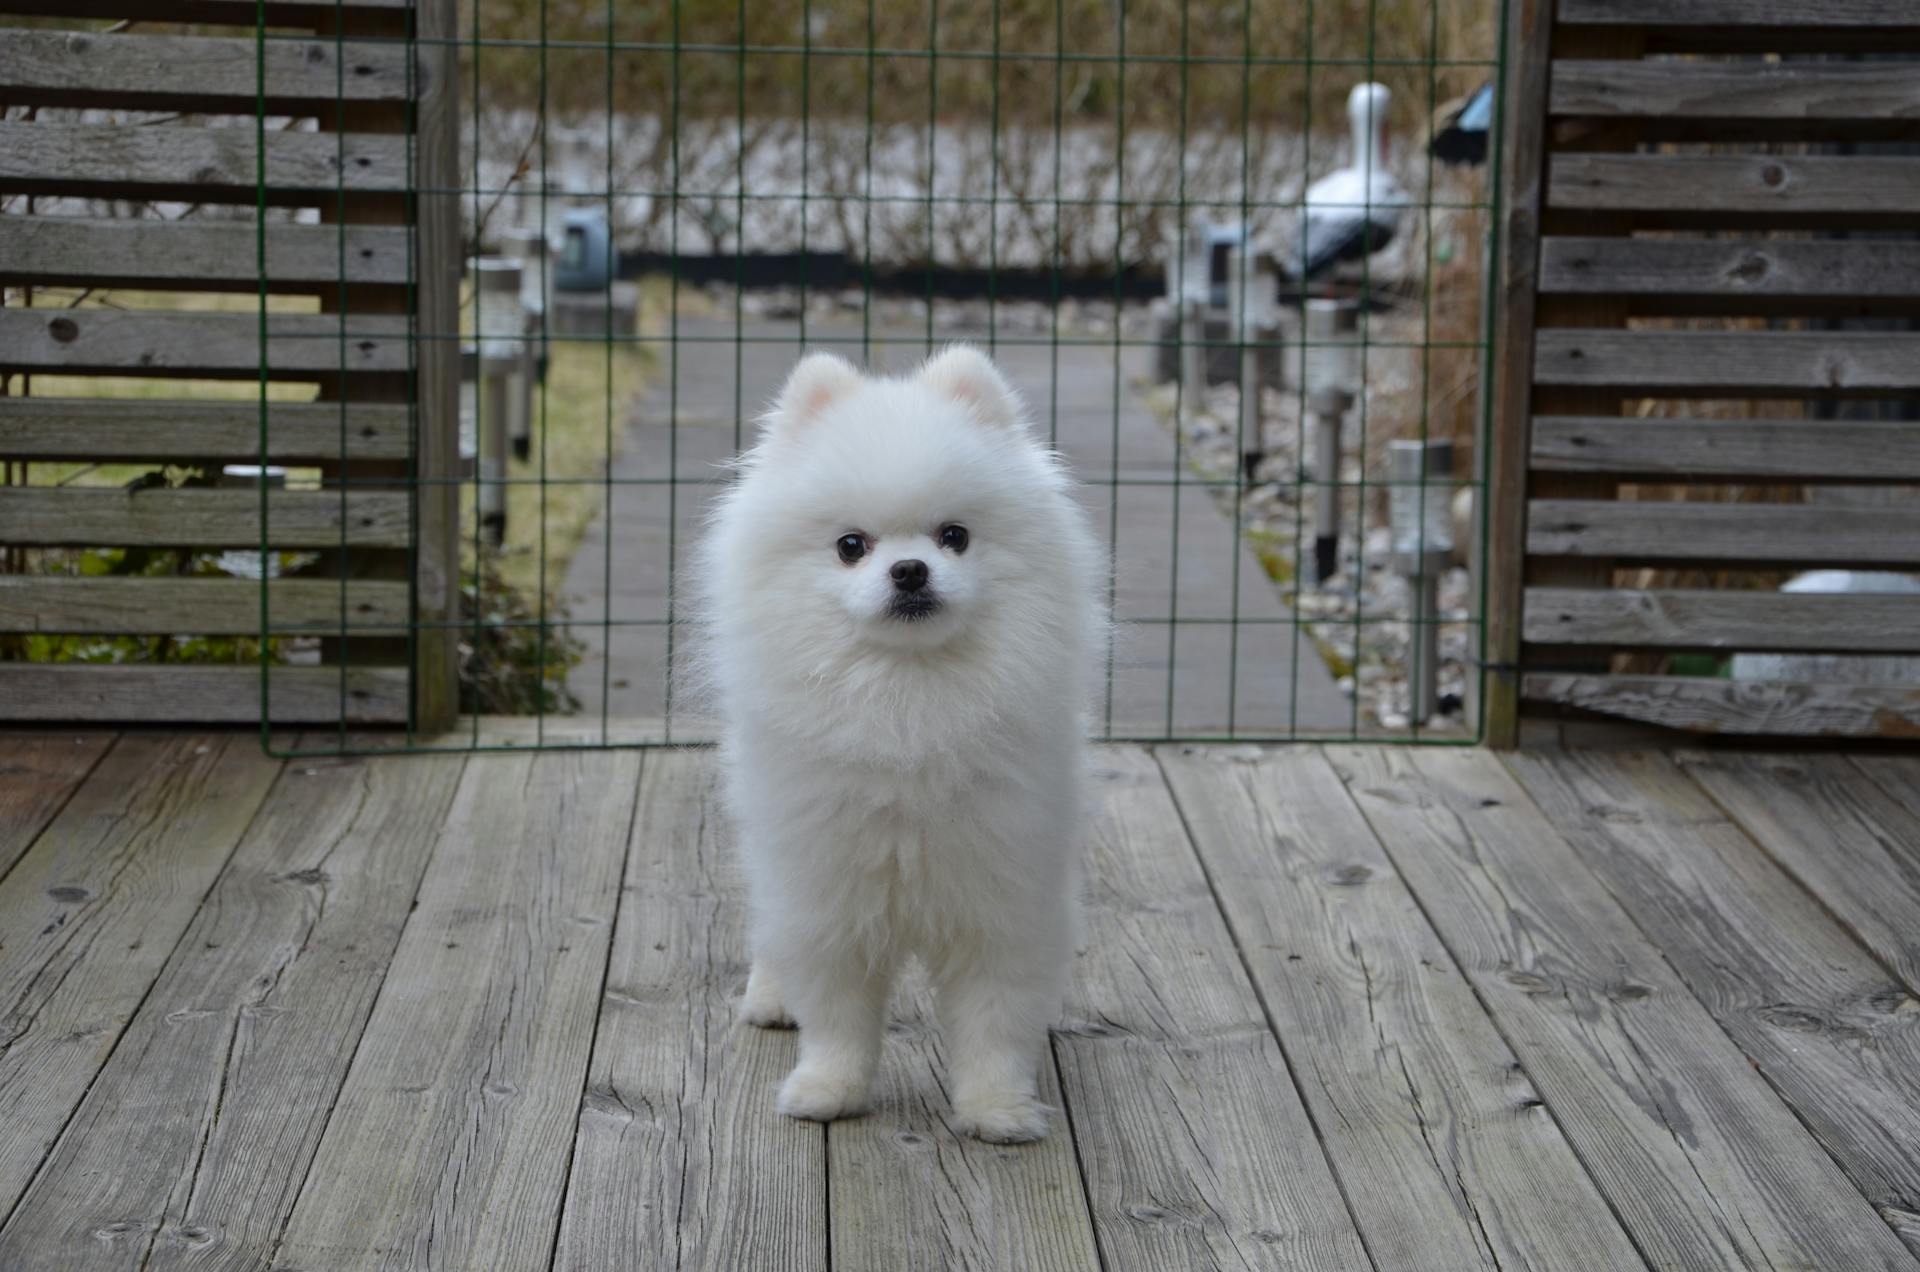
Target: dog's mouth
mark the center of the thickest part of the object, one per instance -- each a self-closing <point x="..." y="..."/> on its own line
<point x="914" y="607"/>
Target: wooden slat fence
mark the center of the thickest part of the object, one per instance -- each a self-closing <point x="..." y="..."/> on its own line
<point x="133" y="258"/>
<point x="1710" y="371"/>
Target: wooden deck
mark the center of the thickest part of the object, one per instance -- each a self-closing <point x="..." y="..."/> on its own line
<point x="1339" y="1008"/>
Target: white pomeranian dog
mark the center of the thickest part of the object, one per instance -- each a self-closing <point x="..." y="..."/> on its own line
<point x="900" y="602"/>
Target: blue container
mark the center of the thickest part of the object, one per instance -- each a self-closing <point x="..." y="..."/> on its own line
<point x="586" y="252"/>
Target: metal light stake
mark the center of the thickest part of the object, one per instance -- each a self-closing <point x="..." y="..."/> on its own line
<point x="1420" y="513"/>
<point x="1330" y="370"/>
<point x="505" y="397"/>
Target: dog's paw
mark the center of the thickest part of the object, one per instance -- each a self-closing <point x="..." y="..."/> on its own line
<point x="822" y="1096"/>
<point x="1001" y="1117"/>
<point x="765" y="1010"/>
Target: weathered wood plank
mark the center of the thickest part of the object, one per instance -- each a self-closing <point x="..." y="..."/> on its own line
<point x="93" y="909"/>
<point x="192" y="516"/>
<point x="1788" y="451"/>
<point x="678" y="1144"/>
<point x="1702" y="1162"/>
<point x="211" y="165"/>
<point x="38" y="773"/>
<point x="1194" y="1144"/>
<point x="129" y="342"/>
<point x="176" y="693"/>
<point x="1443" y="1148"/>
<point x="199" y="255"/>
<point x="190" y="1145"/>
<point x="1683" y="618"/>
<point x="1747" y="13"/>
<point x="202" y="606"/>
<point x="146" y="71"/>
<point x="112" y="429"/>
<point x="1702" y="704"/>
<point x="449" y="1144"/>
<point x="1733" y="183"/>
<point x="1734" y="269"/>
<point x="1848" y="840"/>
<point x="1648" y="363"/>
<point x="1831" y="1030"/>
<point x="1663" y="531"/>
<point x="1695" y="89"/>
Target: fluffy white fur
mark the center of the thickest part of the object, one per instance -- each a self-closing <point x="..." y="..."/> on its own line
<point x="905" y="786"/>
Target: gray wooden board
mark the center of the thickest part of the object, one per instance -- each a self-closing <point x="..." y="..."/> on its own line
<point x="448" y="1146"/>
<point x="31" y="603"/>
<point x="1749" y="13"/>
<point x="93" y="909"/>
<point x="1722" y="618"/>
<point x="1708" y="704"/>
<point x="1851" y="843"/>
<point x="680" y="1160"/>
<point x="157" y="342"/>
<point x="909" y="1193"/>
<point x="203" y="518"/>
<point x="1700" y="1159"/>
<point x="190" y="1145"/>
<point x="1837" y="1036"/>
<point x="134" y="70"/>
<point x="102" y="428"/>
<point x="201" y="255"/>
<point x="1733" y="183"/>
<point x="1444" y="1150"/>
<point x="1785" y="450"/>
<point x="1649" y="363"/>
<point x="1815" y="534"/>
<point x="1736" y="269"/>
<point x="1195" y="1147"/>
<point x="38" y="774"/>
<point x="1696" y="89"/>
<point x="215" y="164"/>
<point x="214" y="694"/>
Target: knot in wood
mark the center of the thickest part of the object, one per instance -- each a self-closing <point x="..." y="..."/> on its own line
<point x="64" y="330"/>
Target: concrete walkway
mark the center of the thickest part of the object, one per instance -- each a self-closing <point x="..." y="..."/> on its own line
<point x="1114" y="445"/>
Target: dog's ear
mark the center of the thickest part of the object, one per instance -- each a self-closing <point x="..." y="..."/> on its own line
<point x="963" y="374"/>
<point x="817" y="382"/>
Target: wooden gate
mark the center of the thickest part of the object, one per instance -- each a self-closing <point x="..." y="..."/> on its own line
<point x="157" y="179"/>
<point x="1709" y="367"/>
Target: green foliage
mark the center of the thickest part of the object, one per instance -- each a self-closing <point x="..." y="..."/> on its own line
<point x="513" y="660"/>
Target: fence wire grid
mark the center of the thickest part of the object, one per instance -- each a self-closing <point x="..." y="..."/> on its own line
<point x="1128" y="206"/>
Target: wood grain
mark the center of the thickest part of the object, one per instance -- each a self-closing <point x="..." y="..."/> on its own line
<point x="679" y="1160"/>
<point x="203" y="518"/>
<point x="206" y="606"/>
<point x="1751" y="708"/>
<point x="38" y="774"/>
<point x="1851" y="843"/>
<point x="1194" y="1144"/>
<point x="1777" y="533"/>
<point x="93" y="909"/>
<point x="1649" y="363"/>
<point x="1706" y="449"/>
<point x="1700" y="1159"/>
<point x="190" y="1145"/>
<point x="1728" y="619"/>
<point x="1748" y="13"/>
<point x="1733" y="183"/>
<point x="210" y="165"/>
<point x="449" y="1144"/>
<point x="128" y="342"/>
<point x="178" y="693"/>
<point x="1694" y="89"/>
<point x="1832" y="1031"/>
<point x="104" y="428"/>
<point x="162" y="72"/>
<point x="200" y="255"/>
<point x="1735" y="269"/>
<point x="1444" y="1149"/>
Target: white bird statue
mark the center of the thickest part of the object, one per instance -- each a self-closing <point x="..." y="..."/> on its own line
<point x="1353" y="212"/>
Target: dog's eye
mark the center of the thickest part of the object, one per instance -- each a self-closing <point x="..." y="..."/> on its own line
<point x="953" y="538"/>
<point x="852" y="547"/>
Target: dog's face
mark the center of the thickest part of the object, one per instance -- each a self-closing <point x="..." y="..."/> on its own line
<point x="888" y="512"/>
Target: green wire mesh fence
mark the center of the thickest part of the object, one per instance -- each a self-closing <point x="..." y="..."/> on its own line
<point x="1235" y="257"/>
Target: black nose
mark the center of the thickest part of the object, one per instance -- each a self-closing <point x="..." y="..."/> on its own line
<point x="909" y="576"/>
